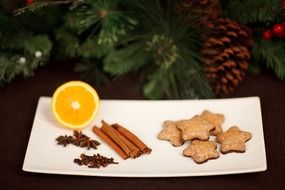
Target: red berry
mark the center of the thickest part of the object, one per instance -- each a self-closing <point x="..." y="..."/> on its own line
<point x="29" y="2"/>
<point x="267" y="34"/>
<point x="279" y="30"/>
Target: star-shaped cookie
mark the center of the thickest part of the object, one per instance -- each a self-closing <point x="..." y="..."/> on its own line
<point x="195" y="128"/>
<point x="233" y="140"/>
<point x="171" y="133"/>
<point x="202" y="151"/>
<point x="216" y="119"/>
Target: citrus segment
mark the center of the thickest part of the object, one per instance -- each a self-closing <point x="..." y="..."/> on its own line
<point x="75" y="104"/>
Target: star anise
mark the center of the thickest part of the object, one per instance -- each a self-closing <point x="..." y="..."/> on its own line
<point x="89" y="143"/>
<point x="79" y="135"/>
<point x="84" y="141"/>
<point x="78" y="139"/>
<point x="64" y="140"/>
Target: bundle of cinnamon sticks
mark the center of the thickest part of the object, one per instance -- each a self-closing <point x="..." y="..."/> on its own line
<point x="124" y="142"/>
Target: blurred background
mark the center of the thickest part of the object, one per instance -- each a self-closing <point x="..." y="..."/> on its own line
<point x="179" y="49"/>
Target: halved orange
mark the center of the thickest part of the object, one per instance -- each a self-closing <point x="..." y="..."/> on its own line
<point x="75" y="104"/>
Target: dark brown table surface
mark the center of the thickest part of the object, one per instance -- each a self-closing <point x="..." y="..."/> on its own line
<point x="18" y="101"/>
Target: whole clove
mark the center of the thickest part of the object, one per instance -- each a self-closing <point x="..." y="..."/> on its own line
<point x="95" y="161"/>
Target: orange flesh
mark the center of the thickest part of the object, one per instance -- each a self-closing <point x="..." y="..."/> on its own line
<point x="75" y="109"/>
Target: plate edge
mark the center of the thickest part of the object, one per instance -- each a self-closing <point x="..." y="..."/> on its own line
<point x="31" y="132"/>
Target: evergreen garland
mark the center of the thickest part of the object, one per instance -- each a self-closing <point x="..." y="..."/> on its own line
<point x="260" y="14"/>
<point x="101" y="18"/>
<point x="253" y="11"/>
<point x="272" y="53"/>
<point x="165" y="48"/>
<point x="21" y="52"/>
<point x="111" y="38"/>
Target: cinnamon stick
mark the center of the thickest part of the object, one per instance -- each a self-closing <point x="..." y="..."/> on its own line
<point x="113" y="134"/>
<point x="109" y="141"/>
<point x="135" y="151"/>
<point x="133" y="138"/>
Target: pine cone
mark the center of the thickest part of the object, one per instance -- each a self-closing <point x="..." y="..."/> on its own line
<point x="226" y="54"/>
<point x="199" y="10"/>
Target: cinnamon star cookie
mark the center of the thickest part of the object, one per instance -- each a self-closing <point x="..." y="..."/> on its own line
<point x="216" y="119"/>
<point x="195" y="128"/>
<point x="171" y="133"/>
<point x="233" y="140"/>
<point x="202" y="151"/>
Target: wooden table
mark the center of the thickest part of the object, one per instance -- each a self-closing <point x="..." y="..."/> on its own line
<point x="19" y="99"/>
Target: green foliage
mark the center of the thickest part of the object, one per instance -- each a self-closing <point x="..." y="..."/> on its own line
<point x="158" y="81"/>
<point x="92" y="71"/>
<point x="67" y="43"/>
<point x="261" y="14"/>
<point x="164" y="49"/>
<point x="190" y="79"/>
<point x="90" y="48"/>
<point x="36" y="5"/>
<point x="175" y="83"/>
<point x="23" y="46"/>
<point x="7" y="70"/>
<point x="29" y="53"/>
<point x="272" y="54"/>
<point x="114" y="38"/>
<point x="166" y="53"/>
<point x="35" y="43"/>
<point x="91" y="31"/>
<point x="253" y="11"/>
<point x="101" y="18"/>
<point x="127" y="59"/>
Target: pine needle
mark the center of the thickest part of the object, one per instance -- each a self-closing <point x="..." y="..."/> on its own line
<point x="272" y="54"/>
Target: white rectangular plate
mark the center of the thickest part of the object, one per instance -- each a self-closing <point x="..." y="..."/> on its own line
<point x="145" y="119"/>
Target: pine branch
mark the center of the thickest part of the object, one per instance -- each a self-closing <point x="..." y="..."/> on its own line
<point x="91" y="49"/>
<point x="67" y="43"/>
<point x="126" y="59"/>
<point x="191" y="81"/>
<point x="25" y="55"/>
<point x="91" y="71"/>
<point x="253" y="11"/>
<point x="157" y="84"/>
<point x="272" y="53"/>
<point x="38" y="5"/>
<point x="166" y="53"/>
<point x="183" y="81"/>
<point x="35" y="43"/>
<point x="7" y="71"/>
<point x="101" y="18"/>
